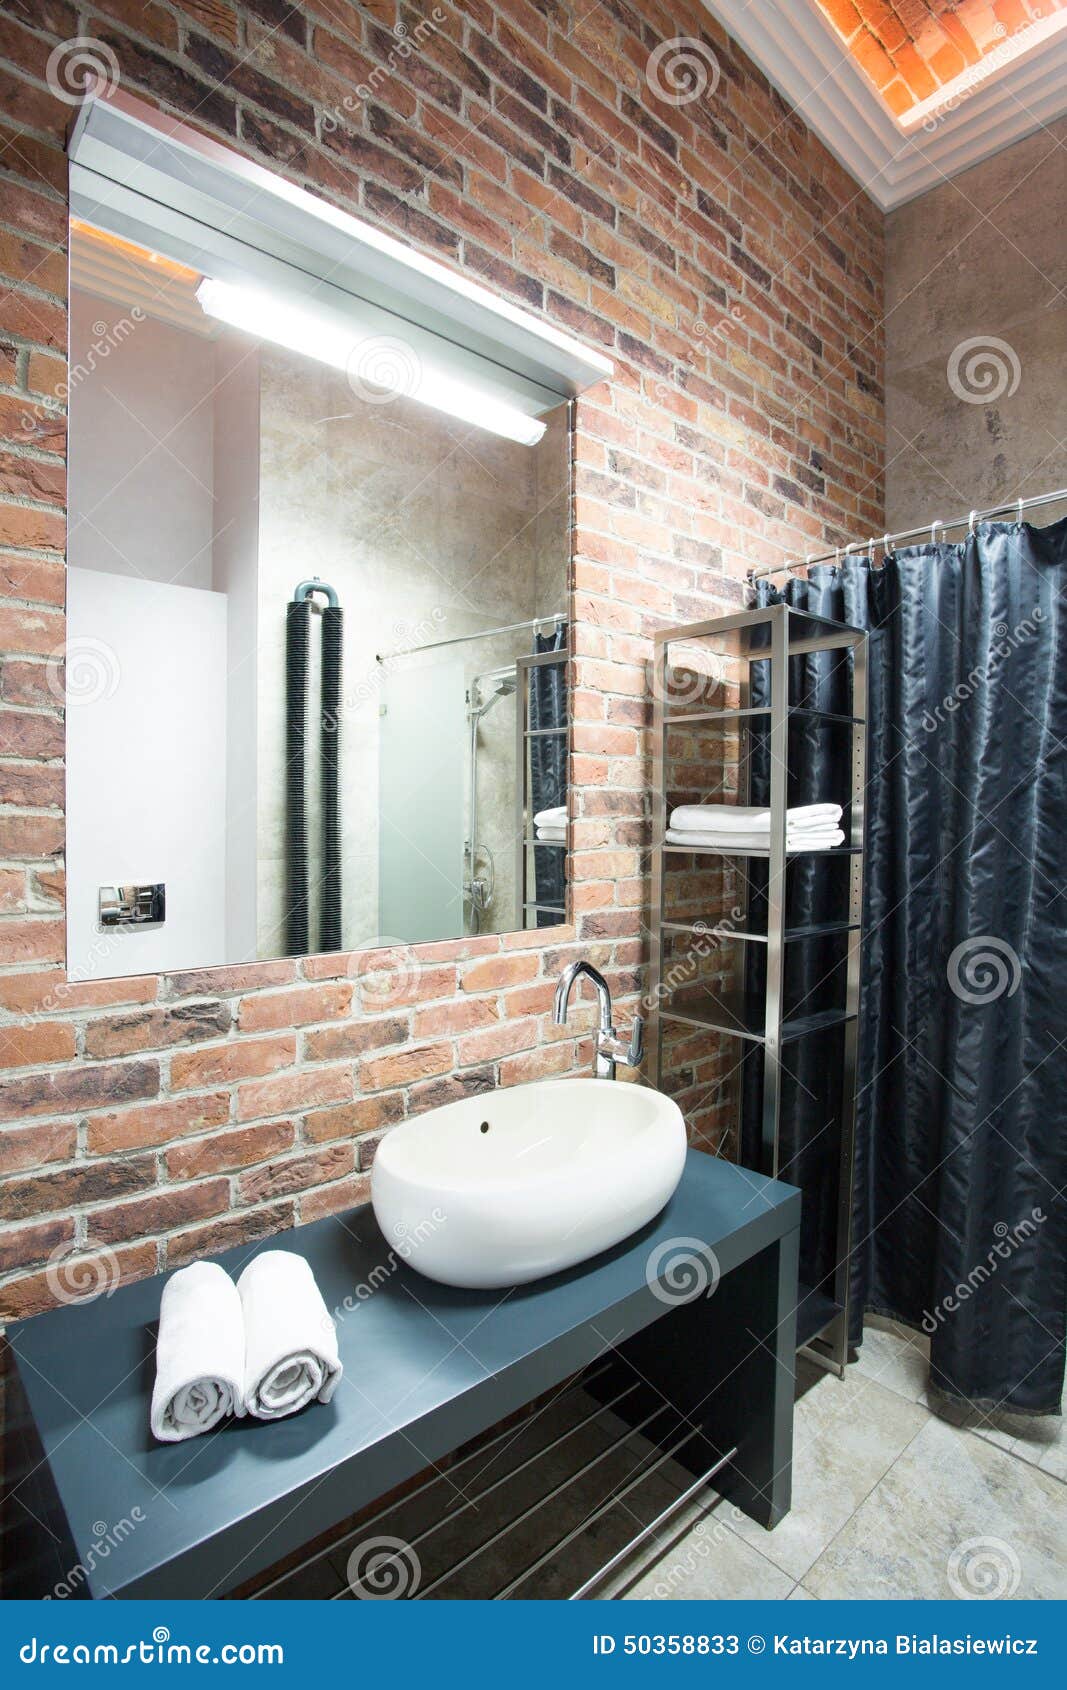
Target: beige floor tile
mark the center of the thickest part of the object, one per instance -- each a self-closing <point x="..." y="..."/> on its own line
<point x="711" y="1563"/>
<point x="847" y="1434"/>
<point x="801" y="1595"/>
<point x="895" y="1358"/>
<point x="953" y="1517"/>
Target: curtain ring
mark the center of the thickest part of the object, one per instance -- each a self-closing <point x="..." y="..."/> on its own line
<point x="885" y="546"/>
<point x="1020" y="517"/>
<point x="934" y="526"/>
<point x="972" y="521"/>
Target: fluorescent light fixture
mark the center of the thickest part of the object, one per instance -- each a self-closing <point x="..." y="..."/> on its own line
<point x="952" y="94"/>
<point x="377" y="365"/>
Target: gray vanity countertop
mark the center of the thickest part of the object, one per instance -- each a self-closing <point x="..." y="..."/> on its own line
<point x="426" y="1367"/>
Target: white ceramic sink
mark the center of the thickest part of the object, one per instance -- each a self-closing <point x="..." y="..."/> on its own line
<point x="503" y="1188"/>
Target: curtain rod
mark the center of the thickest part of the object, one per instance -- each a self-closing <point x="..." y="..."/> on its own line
<point x="554" y="620"/>
<point x="888" y="540"/>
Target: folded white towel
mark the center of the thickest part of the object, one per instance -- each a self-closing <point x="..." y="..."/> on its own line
<point x="750" y="818"/>
<point x="557" y="834"/>
<point x="200" y="1354"/>
<point x="556" y="817"/>
<point x="807" y="839"/>
<point x="290" y="1338"/>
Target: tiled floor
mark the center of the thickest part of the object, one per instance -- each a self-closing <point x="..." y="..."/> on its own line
<point x="889" y="1500"/>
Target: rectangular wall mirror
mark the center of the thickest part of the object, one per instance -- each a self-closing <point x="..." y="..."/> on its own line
<point x="317" y="635"/>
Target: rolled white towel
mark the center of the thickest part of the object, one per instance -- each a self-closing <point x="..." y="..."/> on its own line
<point x="200" y="1354"/>
<point x="751" y="818"/>
<point x="725" y="840"/>
<point x="290" y="1338"/>
<point x="558" y="835"/>
<point x="556" y="817"/>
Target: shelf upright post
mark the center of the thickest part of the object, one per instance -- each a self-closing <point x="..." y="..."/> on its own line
<point x="658" y="818"/>
<point x="779" y="784"/>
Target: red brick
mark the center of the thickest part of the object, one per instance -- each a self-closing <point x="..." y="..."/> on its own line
<point x="403" y="1067"/>
<point x="12" y="891"/>
<point x="155" y="1123"/>
<point x="22" y="525"/>
<point x="335" y="1199"/>
<point x="67" y="1188"/>
<point x="49" y="990"/>
<point x="82" y="1274"/>
<point x="504" y="1040"/>
<point x="155" y="1029"/>
<point x="30" y="630"/>
<point x="267" y="1011"/>
<point x="33" y="1147"/>
<point x="365" y="1115"/>
<point x="245" y="1228"/>
<point x="456" y="1016"/>
<point x="292" y="1093"/>
<point x="225" y="1151"/>
<point x="496" y="972"/>
<point x="540" y="1064"/>
<point x="392" y="980"/>
<point x="223" y="982"/>
<point x="32" y="786"/>
<point x="22" y="1246"/>
<point x="239" y="1059"/>
<point x="39" y="582"/>
<point x="35" y="1043"/>
<point x="296" y="1173"/>
<point x="353" y="1038"/>
<point x="164" y="1211"/>
<point x="69" y="1091"/>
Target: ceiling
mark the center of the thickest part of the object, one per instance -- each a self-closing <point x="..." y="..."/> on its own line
<point x="908" y="93"/>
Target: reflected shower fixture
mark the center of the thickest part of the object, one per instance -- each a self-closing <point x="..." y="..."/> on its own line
<point x="335" y="339"/>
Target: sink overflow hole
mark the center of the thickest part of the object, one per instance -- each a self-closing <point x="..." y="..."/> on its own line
<point x="484" y="1128"/>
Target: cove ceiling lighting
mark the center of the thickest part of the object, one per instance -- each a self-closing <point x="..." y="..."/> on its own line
<point x="374" y="364"/>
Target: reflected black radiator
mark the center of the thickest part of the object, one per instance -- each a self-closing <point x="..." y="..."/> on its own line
<point x="297" y="891"/>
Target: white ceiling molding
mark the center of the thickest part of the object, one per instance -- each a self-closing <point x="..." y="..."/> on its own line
<point x="798" y="51"/>
<point x="159" y="183"/>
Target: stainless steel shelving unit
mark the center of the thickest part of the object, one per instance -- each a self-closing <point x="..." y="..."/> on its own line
<point x="771" y="635"/>
<point x="525" y="843"/>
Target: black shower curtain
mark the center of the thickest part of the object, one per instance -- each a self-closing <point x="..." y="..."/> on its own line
<point x="959" y="1225"/>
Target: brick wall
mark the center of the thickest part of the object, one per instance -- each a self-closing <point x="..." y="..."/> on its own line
<point x="911" y="48"/>
<point x="733" y="271"/>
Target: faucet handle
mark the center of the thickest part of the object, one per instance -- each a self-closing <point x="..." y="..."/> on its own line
<point x="636" y="1052"/>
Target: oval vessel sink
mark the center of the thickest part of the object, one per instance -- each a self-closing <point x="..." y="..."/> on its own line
<point x="503" y="1188"/>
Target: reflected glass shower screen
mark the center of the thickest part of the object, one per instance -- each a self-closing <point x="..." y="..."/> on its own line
<point x="422" y="745"/>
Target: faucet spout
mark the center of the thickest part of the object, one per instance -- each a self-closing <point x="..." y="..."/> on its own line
<point x="563" y="993"/>
<point x="608" y="1047"/>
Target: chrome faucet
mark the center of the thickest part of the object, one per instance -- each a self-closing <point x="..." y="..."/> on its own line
<point x="609" y="1048"/>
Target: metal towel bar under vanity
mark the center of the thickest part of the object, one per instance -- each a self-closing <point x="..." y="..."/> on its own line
<point x="683" y="1335"/>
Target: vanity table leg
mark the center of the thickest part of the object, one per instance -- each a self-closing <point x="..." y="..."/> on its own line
<point x="726" y="1364"/>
